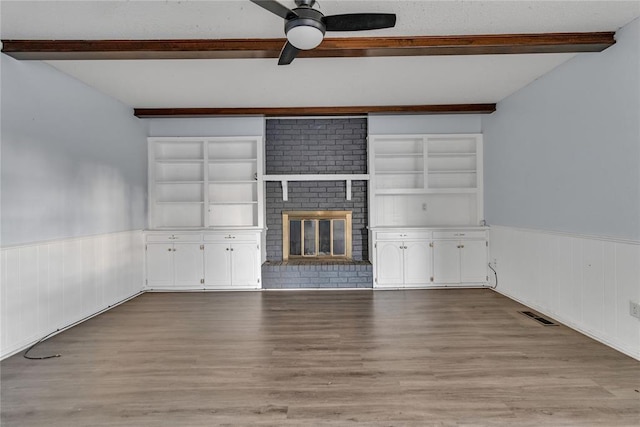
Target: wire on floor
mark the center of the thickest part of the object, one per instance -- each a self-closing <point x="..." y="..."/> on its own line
<point x="26" y="353"/>
<point x="496" y="274"/>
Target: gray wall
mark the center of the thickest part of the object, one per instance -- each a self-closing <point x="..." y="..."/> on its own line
<point x="316" y="146"/>
<point x="564" y="152"/>
<point x="73" y="160"/>
<point x="213" y="126"/>
<point x="380" y="124"/>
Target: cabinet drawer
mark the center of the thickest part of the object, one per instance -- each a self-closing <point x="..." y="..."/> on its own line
<point x="459" y="234"/>
<point x="231" y="237"/>
<point x="408" y="235"/>
<point x="175" y="237"/>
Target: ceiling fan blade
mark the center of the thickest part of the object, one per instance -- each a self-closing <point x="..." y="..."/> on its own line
<point x="288" y="54"/>
<point x="275" y="7"/>
<point x="359" y="21"/>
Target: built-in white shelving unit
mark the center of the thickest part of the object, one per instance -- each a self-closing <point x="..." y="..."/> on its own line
<point x="425" y="180"/>
<point x="425" y="210"/>
<point x="205" y="182"/>
<point x="205" y="213"/>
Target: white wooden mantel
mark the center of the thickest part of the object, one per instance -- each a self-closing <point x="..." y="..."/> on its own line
<point x="284" y="179"/>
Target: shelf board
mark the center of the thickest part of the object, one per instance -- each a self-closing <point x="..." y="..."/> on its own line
<point x="234" y="203"/>
<point x="317" y="177"/>
<point x="179" y="160"/>
<point x="459" y="171"/>
<point x="400" y="191"/>
<point x="252" y="181"/>
<point x="284" y="179"/>
<point x="246" y="160"/>
<point x="450" y="154"/>
<point x="465" y="190"/>
<point x="178" y="203"/>
<point x="179" y="182"/>
<point x="399" y="172"/>
<point x="397" y="155"/>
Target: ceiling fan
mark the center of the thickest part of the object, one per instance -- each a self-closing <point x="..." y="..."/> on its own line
<point x="305" y="26"/>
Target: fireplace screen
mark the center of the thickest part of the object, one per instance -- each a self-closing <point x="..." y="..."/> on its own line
<point x="316" y="234"/>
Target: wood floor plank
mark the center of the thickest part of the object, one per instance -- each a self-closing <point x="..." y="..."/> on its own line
<point x="321" y="358"/>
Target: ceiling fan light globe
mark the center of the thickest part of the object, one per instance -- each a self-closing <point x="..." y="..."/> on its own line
<point x="305" y="37"/>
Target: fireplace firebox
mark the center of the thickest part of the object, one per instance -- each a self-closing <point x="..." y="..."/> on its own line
<point x="309" y="235"/>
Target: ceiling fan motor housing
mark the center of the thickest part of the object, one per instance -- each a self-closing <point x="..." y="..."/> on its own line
<point x="305" y="3"/>
<point x="308" y="21"/>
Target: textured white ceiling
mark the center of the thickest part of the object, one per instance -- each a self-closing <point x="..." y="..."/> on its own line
<point x="313" y="82"/>
<point x="240" y="18"/>
<point x="306" y="82"/>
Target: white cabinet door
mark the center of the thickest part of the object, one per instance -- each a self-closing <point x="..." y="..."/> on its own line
<point x="160" y="269"/>
<point x="389" y="263"/>
<point x="189" y="265"/>
<point x="446" y="261"/>
<point x="244" y="265"/>
<point x="417" y="263"/>
<point x="473" y="261"/>
<point x="217" y="265"/>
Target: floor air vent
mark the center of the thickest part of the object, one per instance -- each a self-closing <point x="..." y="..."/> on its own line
<point x="538" y="318"/>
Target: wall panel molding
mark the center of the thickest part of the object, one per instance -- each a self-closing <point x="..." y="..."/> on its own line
<point x="49" y="285"/>
<point x="585" y="282"/>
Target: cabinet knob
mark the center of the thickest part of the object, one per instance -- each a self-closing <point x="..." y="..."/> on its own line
<point x="169" y="249"/>
<point x="227" y="249"/>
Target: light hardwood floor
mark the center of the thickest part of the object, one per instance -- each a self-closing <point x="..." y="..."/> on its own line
<point x="315" y="358"/>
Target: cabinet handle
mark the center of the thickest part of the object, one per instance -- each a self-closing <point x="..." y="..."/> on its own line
<point x="169" y="249"/>
<point x="227" y="248"/>
<point x="231" y="249"/>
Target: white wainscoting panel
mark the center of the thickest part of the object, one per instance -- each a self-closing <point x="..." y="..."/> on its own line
<point x="47" y="286"/>
<point x="584" y="282"/>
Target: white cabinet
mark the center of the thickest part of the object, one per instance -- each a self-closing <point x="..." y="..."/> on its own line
<point x="402" y="263"/>
<point x="460" y="258"/>
<point x="174" y="265"/>
<point x="189" y="266"/>
<point x="232" y="261"/>
<point x="160" y="266"/>
<point x="428" y="257"/>
<point x="207" y="260"/>
<point x="232" y="265"/>
<point x="205" y="182"/>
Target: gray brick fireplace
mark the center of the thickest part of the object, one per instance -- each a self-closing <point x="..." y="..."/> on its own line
<point x="316" y="146"/>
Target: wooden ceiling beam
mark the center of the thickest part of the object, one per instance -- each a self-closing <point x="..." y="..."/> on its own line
<point x="490" y="44"/>
<point x="148" y="113"/>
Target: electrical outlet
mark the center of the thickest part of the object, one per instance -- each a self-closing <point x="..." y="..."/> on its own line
<point x="424" y="207"/>
<point x="634" y="309"/>
<point x="495" y="262"/>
